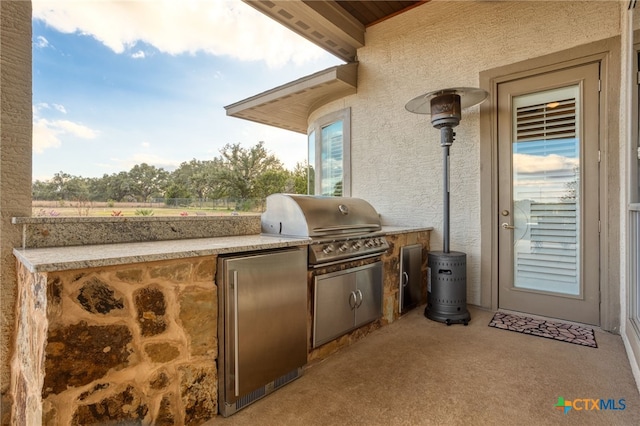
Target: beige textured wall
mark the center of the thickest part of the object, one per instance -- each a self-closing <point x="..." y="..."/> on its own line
<point x="15" y="164"/>
<point x="396" y="155"/>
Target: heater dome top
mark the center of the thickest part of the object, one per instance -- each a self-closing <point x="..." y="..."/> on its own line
<point x="469" y="96"/>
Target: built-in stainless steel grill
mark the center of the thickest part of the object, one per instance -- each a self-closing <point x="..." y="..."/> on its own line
<point x="342" y="228"/>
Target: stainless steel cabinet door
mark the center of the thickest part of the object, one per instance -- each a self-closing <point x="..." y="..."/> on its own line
<point x="410" y="277"/>
<point x="265" y="321"/>
<point x="335" y="301"/>
<point x="369" y="294"/>
<point x="345" y="300"/>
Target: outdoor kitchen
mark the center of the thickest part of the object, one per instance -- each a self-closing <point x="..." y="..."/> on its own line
<point x="390" y="298"/>
<point x="126" y="331"/>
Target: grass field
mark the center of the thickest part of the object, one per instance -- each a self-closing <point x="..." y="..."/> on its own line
<point x="102" y="209"/>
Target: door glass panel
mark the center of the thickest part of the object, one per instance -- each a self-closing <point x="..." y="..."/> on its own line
<point x="546" y="191"/>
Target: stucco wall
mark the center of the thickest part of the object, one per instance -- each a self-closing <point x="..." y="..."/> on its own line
<point x="396" y="155"/>
<point x="15" y="165"/>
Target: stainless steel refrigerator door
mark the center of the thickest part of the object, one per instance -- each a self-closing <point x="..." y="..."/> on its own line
<point x="265" y="319"/>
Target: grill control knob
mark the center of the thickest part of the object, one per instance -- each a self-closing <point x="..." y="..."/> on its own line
<point x="343" y="247"/>
<point x="369" y="243"/>
<point x="356" y="245"/>
<point x="327" y="249"/>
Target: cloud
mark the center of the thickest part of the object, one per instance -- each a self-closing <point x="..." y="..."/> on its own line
<point x="527" y="163"/>
<point x="217" y="27"/>
<point x="44" y="136"/>
<point x="47" y="133"/>
<point x="138" y="55"/>
<point x="40" y="106"/>
<point x="41" y="42"/>
<point x="75" y="129"/>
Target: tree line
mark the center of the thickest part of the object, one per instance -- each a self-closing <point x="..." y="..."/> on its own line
<point x="237" y="174"/>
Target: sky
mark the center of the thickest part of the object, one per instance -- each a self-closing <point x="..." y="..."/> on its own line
<point x="120" y="83"/>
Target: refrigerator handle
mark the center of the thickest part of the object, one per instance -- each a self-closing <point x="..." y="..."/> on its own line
<point x="236" y="367"/>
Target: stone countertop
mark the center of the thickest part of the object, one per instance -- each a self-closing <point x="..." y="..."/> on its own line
<point x="96" y="255"/>
<point x="404" y="229"/>
<point x="82" y="257"/>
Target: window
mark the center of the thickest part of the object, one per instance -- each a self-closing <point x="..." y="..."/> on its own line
<point x="330" y="155"/>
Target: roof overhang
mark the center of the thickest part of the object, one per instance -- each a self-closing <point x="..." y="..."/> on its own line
<point x="337" y="26"/>
<point x="288" y="106"/>
<point x="324" y="23"/>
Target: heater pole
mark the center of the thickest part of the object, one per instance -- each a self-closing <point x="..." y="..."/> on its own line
<point x="445" y="200"/>
<point x="446" y="140"/>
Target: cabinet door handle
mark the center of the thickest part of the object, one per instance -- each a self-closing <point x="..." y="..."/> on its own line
<point x="353" y="300"/>
<point x="405" y="279"/>
<point x="359" y="302"/>
<point x="236" y="337"/>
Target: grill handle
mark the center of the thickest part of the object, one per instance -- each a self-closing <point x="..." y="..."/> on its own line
<point x="363" y="227"/>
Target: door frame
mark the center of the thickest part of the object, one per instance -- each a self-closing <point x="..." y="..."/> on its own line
<point x="607" y="52"/>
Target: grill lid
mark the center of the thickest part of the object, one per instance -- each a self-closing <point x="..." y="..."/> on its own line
<point x="318" y="216"/>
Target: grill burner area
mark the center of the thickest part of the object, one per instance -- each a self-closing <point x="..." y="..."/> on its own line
<point x="353" y="248"/>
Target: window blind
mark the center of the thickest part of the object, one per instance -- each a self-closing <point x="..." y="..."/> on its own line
<point x="546" y="192"/>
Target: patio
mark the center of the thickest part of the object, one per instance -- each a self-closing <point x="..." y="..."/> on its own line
<point x="417" y="371"/>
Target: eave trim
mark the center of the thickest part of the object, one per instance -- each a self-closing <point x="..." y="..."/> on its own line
<point x="288" y="106"/>
<point x="322" y="22"/>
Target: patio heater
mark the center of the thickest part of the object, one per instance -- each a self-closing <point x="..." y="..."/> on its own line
<point x="447" y="278"/>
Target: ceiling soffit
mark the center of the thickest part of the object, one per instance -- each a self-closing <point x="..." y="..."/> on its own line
<point x="288" y="106"/>
<point x="324" y="23"/>
<point x="337" y="26"/>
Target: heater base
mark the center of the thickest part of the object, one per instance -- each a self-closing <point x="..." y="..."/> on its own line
<point x="447" y="288"/>
<point x="462" y="318"/>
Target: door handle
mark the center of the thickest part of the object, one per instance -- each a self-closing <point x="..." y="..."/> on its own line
<point x="505" y="225"/>
<point x="359" y="302"/>
<point x="405" y="279"/>
<point x="353" y="303"/>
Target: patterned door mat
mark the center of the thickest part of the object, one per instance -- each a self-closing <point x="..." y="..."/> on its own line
<point x="555" y="330"/>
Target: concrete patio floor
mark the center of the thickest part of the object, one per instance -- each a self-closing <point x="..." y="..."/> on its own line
<point x="420" y="372"/>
